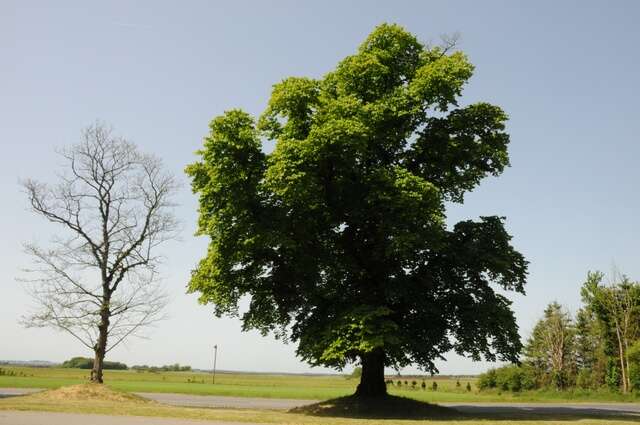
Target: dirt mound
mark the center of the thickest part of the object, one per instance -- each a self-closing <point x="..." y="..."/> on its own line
<point x="84" y="392"/>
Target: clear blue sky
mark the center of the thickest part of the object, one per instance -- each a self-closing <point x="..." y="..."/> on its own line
<point x="566" y="72"/>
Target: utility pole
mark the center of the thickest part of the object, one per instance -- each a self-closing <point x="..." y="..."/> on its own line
<point x="215" y="358"/>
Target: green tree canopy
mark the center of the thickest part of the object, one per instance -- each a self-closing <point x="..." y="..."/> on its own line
<point x="338" y="236"/>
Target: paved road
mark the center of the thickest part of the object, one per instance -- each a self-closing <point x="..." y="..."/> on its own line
<point x="586" y="409"/>
<point x="224" y="401"/>
<point x="8" y="392"/>
<point x="47" y="418"/>
<point x="487" y="408"/>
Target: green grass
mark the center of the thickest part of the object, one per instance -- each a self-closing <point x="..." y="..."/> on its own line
<point x="286" y="386"/>
<point x="97" y="399"/>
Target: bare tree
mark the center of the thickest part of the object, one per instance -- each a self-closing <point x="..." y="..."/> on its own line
<point x="99" y="282"/>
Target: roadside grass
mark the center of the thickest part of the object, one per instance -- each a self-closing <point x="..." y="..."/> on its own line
<point x="307" y="387"/>
<point x="95" y="399"/>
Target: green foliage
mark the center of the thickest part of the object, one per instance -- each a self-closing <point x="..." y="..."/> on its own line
<point x="634" y="367"/>
<point x="614" y="375"/>
<point x="551" y="348"/>
<point x="468" y="386"/>
<point x="616" y="307"/>
<point x="488" y="379"/>
<point x="507" y="378"/>
<point x="434" y="386"/>
<point x="87" y="363"/>
<point x="338" y="236"/>
<point x="563" y="353"/>
<point x="591" y="349"/>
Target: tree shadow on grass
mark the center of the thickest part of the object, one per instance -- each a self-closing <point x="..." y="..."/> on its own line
<point x="389" y="407"/>
<point x="393" y="407"/>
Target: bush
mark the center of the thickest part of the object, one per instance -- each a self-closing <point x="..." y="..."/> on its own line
<point x="487" y="380"/>
<point x="508" y="378"/>
<point x="424" y="385"/>
<point x="434" y="386"/>
<point x="584" y="379"/>
<point x="468" y="386"/>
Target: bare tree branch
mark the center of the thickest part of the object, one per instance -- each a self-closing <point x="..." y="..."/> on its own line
<point x="99" y="283"/>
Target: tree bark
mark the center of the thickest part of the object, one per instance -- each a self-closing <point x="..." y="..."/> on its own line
<point x="372" y="380"/>
<point x="621" y="357"/>
<point x="100" y="348"/>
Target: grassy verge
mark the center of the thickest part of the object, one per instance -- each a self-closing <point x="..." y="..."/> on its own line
<point x="345" y="411"/>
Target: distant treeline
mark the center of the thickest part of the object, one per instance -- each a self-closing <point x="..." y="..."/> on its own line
<point x="597" y="348"/>
<point x="87" y="363"/>
<point x="166" y="368"/>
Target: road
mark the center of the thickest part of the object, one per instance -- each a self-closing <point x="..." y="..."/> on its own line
<point x="582" y="409"/>
<point x="587" y="409"/>
<point x="228" y="402"/>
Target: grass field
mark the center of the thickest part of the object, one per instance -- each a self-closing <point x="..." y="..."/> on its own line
<point x="96" y="399"/>
<point x="284" y="386"/>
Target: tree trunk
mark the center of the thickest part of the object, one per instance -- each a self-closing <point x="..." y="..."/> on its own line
<point x="626" y="356"/>
<point x="100" y="348"/>
<point x="622" y="365"/>
<point x="372" y="380"/>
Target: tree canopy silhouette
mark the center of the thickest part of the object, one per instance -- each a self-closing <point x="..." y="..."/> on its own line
<point x="338" y="237"/>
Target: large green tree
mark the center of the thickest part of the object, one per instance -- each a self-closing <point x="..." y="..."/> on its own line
<point x="339" y="237"/>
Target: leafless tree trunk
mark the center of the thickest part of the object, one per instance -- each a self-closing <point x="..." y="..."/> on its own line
<point x="99" y="281"/>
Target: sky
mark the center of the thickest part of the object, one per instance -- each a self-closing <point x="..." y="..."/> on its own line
<point x="566" y="72"/>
